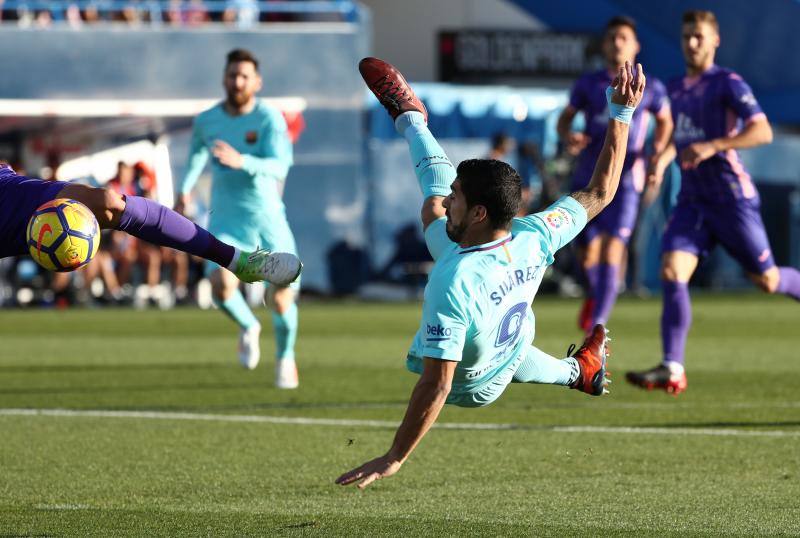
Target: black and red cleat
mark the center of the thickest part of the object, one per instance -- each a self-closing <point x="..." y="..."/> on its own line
<point x="585" y="315"/>
<point x="390" y="87"/>
<point x="592" y="357"/>
<point x="660" y="378"/>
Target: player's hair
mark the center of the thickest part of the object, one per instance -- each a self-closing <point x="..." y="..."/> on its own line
<point x="241" y="55"/>
<point x="622" y="20"/>
<point x="698" y="15"/>
<point x="494" y="185"/>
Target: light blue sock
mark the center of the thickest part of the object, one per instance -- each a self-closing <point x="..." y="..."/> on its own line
<point x="236" y="308"/>
<point x="434" y="170"/>
<point x="285" y="332"/>
<point x="539" y="367"/>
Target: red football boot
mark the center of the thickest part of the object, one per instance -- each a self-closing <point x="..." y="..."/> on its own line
<point x="592" y="357"/>
<point x="659" y="377"/>
<point x="390" y="87"/>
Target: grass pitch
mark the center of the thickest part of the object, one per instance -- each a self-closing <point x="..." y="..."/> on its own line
<point x="723" y="458"/>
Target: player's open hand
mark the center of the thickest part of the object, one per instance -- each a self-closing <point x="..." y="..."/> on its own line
<point x="370" y="472"/>
<point x="628" y="86"/>
<point x="227" y="155"/>
<point x="696" y="153"/>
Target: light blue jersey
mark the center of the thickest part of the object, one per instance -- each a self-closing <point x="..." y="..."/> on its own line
<point x="246" y="206"/>
<point x="477" y="306"/>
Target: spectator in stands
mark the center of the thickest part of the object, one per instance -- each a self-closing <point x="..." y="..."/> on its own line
<point x="242" y="13"/>
<point x="126" y="250"/>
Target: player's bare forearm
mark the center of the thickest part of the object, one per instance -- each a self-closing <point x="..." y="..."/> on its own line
<point x="426" y="402"/>
<point x="755" y="133"/>
<point x="662" y="135"/>
<point x="564" y="125"/>
<point x="605" y="179"/>
<point x="624" y="95"/>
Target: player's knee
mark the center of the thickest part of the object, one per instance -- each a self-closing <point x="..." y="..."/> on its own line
<point x="669" y="273"/>
<point x="279" y="300"/>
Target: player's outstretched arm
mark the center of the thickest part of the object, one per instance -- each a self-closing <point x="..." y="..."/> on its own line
<point x="426" y="402"/>
<point x="624" y="96"/>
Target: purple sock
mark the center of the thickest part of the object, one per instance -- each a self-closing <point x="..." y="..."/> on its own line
<point x="676" y="317"/>
<point x="592" y="275"/>
<point x="789" y="283"/>
<point x="605" y="294"/>
<point x="160" y="225"/>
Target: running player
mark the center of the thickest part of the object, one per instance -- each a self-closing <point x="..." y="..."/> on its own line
<point x="603" y="243"/>
<point x="252" y="154"/>
<point x="715" y="114"/>
<point x="140" y="217"/>
<point x="477" y="323"/>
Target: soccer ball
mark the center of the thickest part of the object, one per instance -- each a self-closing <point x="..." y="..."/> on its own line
<point x="63" y="235"/>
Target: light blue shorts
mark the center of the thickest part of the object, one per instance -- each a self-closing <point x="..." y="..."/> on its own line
<point x="277" y="237"/>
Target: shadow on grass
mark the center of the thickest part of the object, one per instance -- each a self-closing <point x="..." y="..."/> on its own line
<point x="169" y="386"/>
<point x="114" y="367"/>
<point x="724" y="424"/>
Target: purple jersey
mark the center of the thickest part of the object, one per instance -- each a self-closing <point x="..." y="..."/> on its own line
<point x="713" y="105"/>
<point x="589" y="96"/>
<point x="19" y="198"/>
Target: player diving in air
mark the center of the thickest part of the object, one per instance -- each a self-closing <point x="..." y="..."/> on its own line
<point x="140" y="217"/>
<point x="477" y="323"/>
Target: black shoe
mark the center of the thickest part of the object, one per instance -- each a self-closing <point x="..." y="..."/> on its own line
<point x="659" y="377"/>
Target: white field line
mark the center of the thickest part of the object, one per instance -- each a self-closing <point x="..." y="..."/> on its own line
<point x="308" y="421"/>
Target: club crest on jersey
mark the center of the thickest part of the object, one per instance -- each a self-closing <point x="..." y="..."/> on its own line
<point x="557" y="218"/>
<point x="251" y="137"/>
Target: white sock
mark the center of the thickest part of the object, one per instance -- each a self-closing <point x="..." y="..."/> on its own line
<point x="675" y="368"/>
<point x="235" y="261"/>
<point x="407" y="119"/>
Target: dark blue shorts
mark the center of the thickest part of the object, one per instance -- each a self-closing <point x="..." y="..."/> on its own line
<point x="19" y="198"/>
<point x="696" y="227"/>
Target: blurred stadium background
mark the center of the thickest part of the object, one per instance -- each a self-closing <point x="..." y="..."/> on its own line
<point x="95" y="89"/>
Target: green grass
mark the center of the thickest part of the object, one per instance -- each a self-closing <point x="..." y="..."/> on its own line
<point x="98" y="476"/>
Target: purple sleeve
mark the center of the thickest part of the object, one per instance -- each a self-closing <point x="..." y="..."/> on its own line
<point x="740" y="99"/>
<point x="577" y="97"/>
<point x="659" y="93"/>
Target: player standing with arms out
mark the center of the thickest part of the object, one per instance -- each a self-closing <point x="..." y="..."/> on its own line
<point x="603" y="243"/>
<point x="715" y="114"/>
<point x="477" y="324"/>
<point x="252" y="153"/>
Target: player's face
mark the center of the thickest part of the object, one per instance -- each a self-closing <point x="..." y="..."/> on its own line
<point x="620" y="45"/>
<point x="242" y="82"/>
<point x="456" y="212"/>
<point x="699" y="41"/>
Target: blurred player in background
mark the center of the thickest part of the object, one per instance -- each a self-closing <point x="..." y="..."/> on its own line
<point x="715" y="114"/>
<point x="477" y="324"/>
<point x="252" y="153"/>
<point x="603" y="243"/>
